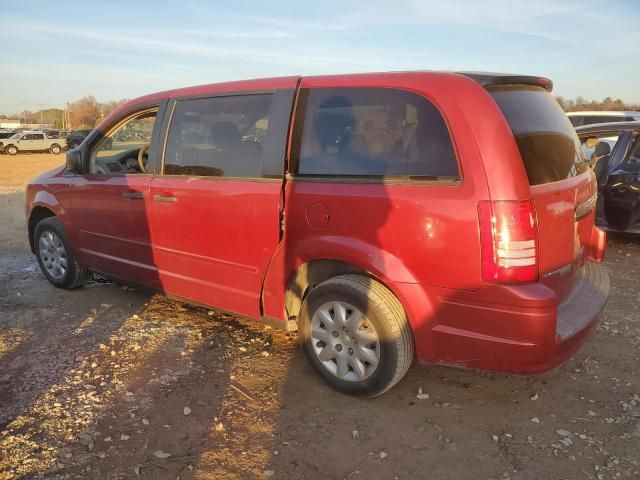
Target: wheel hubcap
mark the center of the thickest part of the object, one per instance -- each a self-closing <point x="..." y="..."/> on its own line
<point x="53" y="254"/>
<point x="344" y="341"/>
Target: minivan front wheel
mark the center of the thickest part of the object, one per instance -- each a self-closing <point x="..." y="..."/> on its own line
<point x="55" y="256"/>
<point x="11" y="150"/>
<point x="356" y="335"/>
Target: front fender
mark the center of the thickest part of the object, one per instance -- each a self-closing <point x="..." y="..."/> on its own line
<point x="43" y="198"/>
<point x="41" y="204"/>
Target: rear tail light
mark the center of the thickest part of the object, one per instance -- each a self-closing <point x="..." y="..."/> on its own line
<point x="508" y="241"/>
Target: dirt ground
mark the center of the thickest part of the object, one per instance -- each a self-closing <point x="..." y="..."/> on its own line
<point x="107" y="382"/>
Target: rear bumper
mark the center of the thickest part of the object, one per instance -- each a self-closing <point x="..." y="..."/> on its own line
<point x="521" y="329"/>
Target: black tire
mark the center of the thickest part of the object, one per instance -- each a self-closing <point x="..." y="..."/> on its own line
<point x="55" y="149"/>
<point x="11" y="150"/>
<point x="383" y="310"/>
<point x="75" y="275"/>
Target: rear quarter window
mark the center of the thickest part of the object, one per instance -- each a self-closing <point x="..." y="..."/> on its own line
<point x="547" y="141"/>
<point x="372" y="132"/>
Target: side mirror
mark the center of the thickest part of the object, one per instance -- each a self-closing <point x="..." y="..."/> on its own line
<point x="74" y="161"/>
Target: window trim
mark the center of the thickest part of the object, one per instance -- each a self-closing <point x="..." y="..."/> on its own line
<point x="296" y="143"/>
<point x="168" y="121"/>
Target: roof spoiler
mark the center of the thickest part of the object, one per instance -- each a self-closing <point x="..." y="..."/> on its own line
<point x="488" y="79"/>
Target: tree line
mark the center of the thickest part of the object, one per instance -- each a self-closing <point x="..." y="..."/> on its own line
<point x="580" y="104"/>
<point x="84" y="113"/>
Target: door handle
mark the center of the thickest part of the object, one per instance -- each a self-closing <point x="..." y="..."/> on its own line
<point x="165" y="198"/>
<point x="133" y="195"/>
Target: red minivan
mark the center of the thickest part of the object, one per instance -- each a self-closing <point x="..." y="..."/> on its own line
<point x="446" y="214"/>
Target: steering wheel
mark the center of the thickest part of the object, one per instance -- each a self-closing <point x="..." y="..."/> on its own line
<point x="141" y="161"/>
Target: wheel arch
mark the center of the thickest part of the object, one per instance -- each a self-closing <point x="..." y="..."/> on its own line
<point x="38" y="213"/>
<point x="309" y="274"/>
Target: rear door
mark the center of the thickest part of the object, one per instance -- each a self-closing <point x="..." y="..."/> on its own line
<point x="563" y="188"/>
<point x="39" y="142"/>
<point x="622" y="193"/>
<point x="215" y="208"/>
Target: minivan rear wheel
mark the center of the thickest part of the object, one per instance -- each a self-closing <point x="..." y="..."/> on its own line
<point x="55" y="256"/>
<point x="356" y="335"/>
<point x="55" y="149"/>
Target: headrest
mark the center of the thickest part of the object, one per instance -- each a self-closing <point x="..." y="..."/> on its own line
<point x="602" y="148"/>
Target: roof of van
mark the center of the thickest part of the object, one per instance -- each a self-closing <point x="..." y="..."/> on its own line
<point x="483" y="78"/>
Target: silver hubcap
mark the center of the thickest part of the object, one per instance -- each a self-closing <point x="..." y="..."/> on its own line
<point x="344" y="341"/>
<point x="53" y="254"/>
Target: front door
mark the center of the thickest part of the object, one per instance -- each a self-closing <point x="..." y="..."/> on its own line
<point x="111" y="200"/>
<point x="622" y="195"/>
<point x="215" y="209"/>
<point x="32" y="142"/>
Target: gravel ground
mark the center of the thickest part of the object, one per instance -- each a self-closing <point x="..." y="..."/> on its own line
<point x="107" y="382"/>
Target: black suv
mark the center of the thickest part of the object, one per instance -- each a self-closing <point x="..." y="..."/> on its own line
<point x="75" y="138"/>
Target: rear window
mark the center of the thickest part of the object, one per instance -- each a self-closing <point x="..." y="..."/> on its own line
<point x="547" y="141"/>
<point x="373" y="132"/>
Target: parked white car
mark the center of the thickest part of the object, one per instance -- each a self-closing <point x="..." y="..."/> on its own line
<point x="579" y="119"/>
<point x="31" y="141"/>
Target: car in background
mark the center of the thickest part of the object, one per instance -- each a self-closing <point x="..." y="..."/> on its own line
<point x="76" y="137"/>
<point x="579" y="119"/>
<point x="615" y="159"/>
<point x="6" y="133"/>
<point x="53" y="133"/>
<point x="31" y="141"/>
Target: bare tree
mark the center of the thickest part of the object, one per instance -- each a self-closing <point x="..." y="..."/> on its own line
<point x="84" y="113"/>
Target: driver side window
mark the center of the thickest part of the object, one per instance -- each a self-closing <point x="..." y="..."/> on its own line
<point x="124" y="150"/>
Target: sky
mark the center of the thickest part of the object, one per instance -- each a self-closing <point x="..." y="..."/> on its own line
<point x="57" y="52"/>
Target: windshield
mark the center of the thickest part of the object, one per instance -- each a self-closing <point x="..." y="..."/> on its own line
<point x="15" y="136"/>
<point x="547" y="141"/>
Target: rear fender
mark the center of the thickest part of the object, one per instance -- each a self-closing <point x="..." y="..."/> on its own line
<point x="356" y="256"/>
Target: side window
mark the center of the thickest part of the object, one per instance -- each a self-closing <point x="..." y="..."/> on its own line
<point x="218" y="136"/>
<point x="118" y="152"/>
<point x="602" y="119"/>
<point x="372" y="132"/>
<point x="576" y="120"/>
<point x="596" y="146"/>
<point x="38" y="136"/>
<point x="631" y="162"/>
